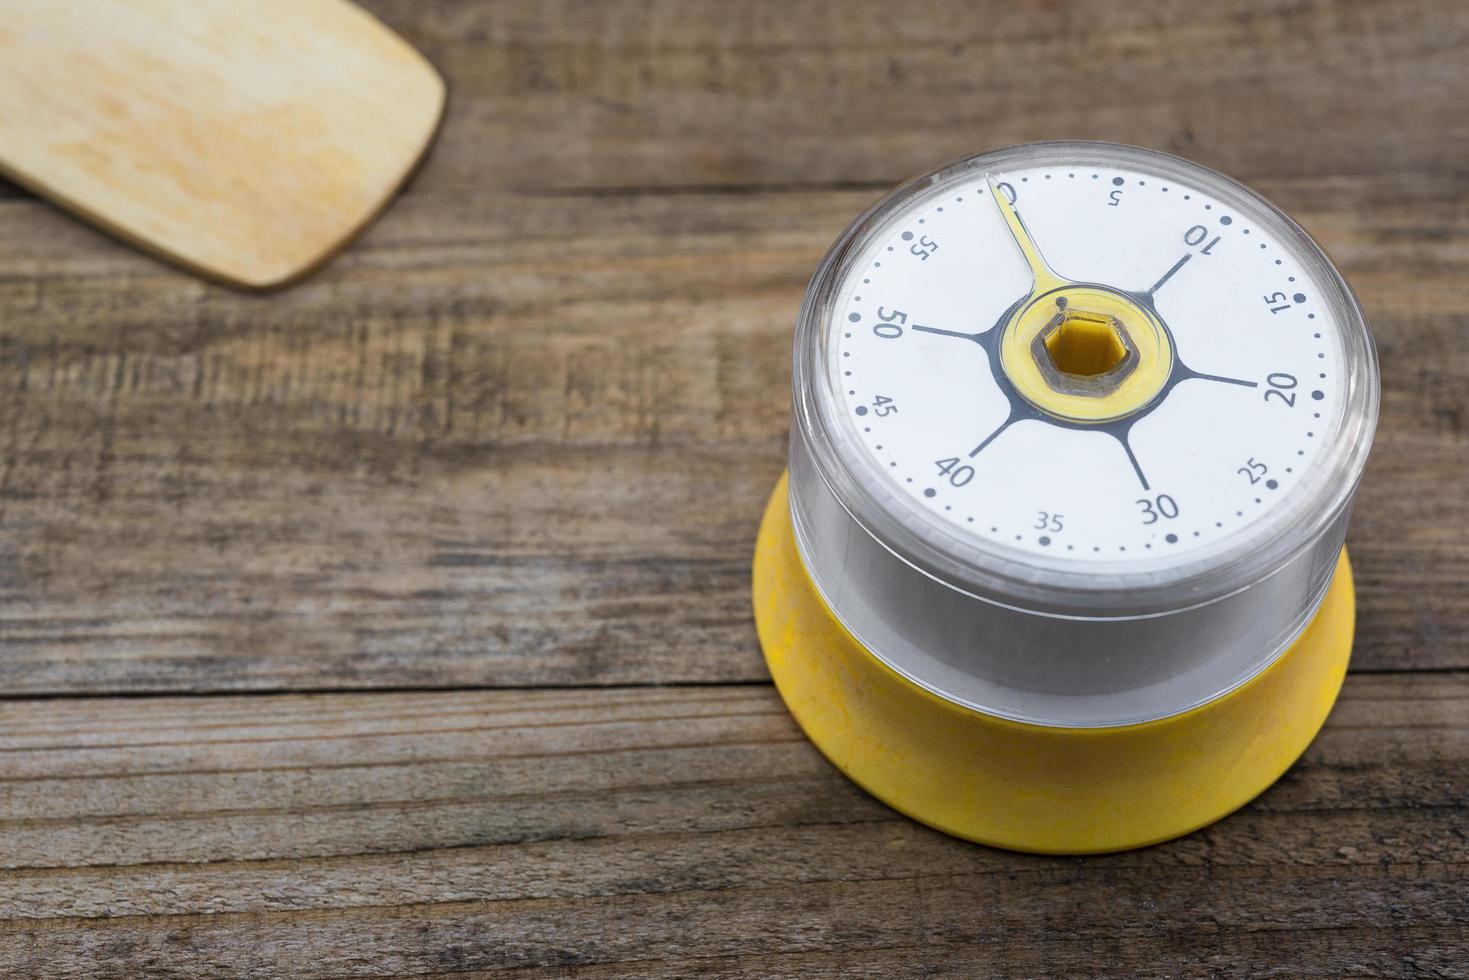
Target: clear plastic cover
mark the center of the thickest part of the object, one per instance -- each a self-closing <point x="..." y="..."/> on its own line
<point x="1077" y="431"/>
<point x="1243" y="460"/>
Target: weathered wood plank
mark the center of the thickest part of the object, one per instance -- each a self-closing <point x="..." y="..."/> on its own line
<point x="1374" y="952"/>
<point x="526" y="440"/>
<point x="368" y="834"/>
<point x="520" y="435"/>
<point x="628" y="93"/>
<point x="1325" y="931"/>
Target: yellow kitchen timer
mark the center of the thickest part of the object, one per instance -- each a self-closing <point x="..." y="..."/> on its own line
<point x="1058" y="563"/>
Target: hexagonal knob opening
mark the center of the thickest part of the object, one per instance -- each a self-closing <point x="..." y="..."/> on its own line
<point x="1085" y="344"/>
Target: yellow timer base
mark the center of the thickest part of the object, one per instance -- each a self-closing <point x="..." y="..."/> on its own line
<point x="1032" y="787"/>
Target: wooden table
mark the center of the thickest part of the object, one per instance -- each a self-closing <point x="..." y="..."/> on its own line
<point x="399" y="623"/>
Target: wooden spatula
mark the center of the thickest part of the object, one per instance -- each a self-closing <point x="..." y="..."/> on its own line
<point x="245" y="140"/>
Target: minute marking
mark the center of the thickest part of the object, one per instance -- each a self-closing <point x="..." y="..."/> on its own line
<point x="947" y="333"/>
<point x="1169" y="274"/>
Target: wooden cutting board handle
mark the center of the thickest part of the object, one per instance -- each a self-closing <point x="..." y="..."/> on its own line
<point x="245" y="141"/>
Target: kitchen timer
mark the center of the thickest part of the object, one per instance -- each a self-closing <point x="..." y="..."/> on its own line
<point x="1058" y="562"/>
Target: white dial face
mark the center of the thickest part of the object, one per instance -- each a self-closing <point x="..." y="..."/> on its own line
<point x="1253" y="394"/>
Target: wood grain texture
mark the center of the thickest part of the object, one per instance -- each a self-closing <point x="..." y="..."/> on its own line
<point x="519" y="440"/>
<point x="246" y="141"/>
<point x="628" y="832"/>
<point x="674" y="93"/>
<point x="520" y="435"/>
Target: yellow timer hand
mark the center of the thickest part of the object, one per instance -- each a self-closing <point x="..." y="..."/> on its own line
<point x="1044" y="278"/>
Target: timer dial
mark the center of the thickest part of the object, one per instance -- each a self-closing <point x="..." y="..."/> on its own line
<point x="1094" y="361"/>
<point x="1060" y="405"/>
